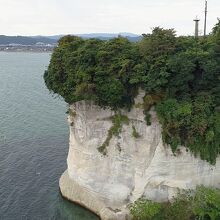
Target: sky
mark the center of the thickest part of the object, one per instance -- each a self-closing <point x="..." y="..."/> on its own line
<point x="51" y="17"/>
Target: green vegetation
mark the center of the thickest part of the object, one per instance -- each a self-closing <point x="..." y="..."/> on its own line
<point x="71" y="113"/>
<point x="203" y="204"/>
<point x="117" y="123"/>
<point x="193" y="123"/>
<point x="94" y="70"/>
<point x="206" y="203"/>
<point x="135" y="134"/>
<point x="181" y="77"/>
<point x="149" y="101"/>
<point x="145" y="209"/>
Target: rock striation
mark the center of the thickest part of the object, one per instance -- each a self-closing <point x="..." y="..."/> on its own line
<point x="133" y="167"/>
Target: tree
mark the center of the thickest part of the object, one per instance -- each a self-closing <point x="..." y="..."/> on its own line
<point x="161" y="42"/>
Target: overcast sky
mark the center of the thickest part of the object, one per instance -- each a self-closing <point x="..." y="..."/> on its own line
<point x="49" y="17"/>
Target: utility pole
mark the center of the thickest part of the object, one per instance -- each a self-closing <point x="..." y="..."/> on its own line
<point x="196" y="27"/>
<point x="206" y="7"/>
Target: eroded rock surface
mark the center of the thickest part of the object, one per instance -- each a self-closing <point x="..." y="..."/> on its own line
<point x="133" y="167"/>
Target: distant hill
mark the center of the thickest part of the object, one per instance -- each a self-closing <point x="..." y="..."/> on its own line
<point x="103" y="36"/>
<point x="107" y="35"/>
<point x="33" y="40"/>
<point x="5" y="40"/>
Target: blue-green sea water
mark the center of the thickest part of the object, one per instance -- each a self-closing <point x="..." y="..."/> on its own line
<point x="33" y="143"/>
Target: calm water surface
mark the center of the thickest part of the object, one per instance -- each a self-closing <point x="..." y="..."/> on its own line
<point x="33" y="143"/>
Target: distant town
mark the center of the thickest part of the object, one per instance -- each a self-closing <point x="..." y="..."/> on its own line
<point x="27" y="48"/>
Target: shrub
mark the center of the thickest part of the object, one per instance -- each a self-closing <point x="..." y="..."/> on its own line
<point x="201" y="204"/>
<point x="117" y="123"/>
<point x="180" y="208"/>
<point x="135" y="134"/>
<point x="145" y="210"/>
<point x="206" y="203"/>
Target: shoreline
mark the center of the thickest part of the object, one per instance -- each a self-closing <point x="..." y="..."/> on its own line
<point x="79" y="204"/>
<point x="89" y="200"/>
<point x="25" y="51"/>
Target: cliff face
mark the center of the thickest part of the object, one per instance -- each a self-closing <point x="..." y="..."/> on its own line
<point x="133" y="167"/>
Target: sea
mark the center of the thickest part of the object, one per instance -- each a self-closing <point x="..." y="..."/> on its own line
<point x="33" y="143"/>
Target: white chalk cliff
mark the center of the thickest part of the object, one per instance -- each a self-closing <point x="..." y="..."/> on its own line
<point x="133" y="167"/>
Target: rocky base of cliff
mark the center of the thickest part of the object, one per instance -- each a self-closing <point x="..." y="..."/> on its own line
<point x="72" y="191"/>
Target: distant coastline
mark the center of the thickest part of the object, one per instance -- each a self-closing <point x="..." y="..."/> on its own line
<point x="48" y="43"/>
<point x="26" y="48"/>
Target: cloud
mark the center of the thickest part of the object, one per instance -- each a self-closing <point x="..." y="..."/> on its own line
<point x="47" y="17"/>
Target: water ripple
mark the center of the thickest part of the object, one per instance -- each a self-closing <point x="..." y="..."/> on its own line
<point x="33" y="143"/>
